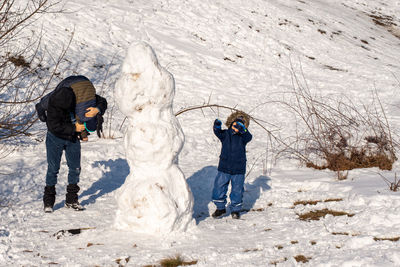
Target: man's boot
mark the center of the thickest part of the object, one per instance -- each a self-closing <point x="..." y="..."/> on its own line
<point x="49" y="197"/>
<point x="71" y="200"/>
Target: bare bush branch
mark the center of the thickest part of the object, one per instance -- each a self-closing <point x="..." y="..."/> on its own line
<point x="25" y="71"/>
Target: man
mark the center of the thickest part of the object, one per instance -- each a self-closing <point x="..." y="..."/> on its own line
<point x="63" y="134"/>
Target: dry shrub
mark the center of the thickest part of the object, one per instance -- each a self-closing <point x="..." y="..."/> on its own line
<point x="393" y="185"/>
<point x="27" y="69"/>
<point x="336" y="134"/>
<point x="317" y="214"/>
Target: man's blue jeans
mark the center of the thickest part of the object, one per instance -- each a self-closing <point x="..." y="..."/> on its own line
<point x="54" y="148"/>
<point x="221" y="184"/>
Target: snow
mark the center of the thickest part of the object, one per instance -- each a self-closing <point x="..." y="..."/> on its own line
<point x="155" y="197"/>
<point x="234" y="53"/>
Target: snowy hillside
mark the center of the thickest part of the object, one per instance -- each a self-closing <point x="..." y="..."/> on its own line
<point x="239" y="54"/>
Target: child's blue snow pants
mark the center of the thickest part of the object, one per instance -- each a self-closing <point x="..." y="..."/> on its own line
<point x="221" y="187"/>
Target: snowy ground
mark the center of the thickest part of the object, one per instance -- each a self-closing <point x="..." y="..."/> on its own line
<point x="236" y="53"/>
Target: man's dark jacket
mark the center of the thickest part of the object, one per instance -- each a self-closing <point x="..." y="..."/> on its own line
<point x="232" y="159"/>
<point x="61" y="106"/>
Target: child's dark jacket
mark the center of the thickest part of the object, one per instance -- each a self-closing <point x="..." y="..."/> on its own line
<point x="232" y="159"/>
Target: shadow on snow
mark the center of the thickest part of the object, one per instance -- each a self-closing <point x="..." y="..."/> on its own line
<point x="110" y="181"/>
<point x="201" y="184"/>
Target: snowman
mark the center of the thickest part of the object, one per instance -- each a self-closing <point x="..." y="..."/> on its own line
<point x="155" y="197"/>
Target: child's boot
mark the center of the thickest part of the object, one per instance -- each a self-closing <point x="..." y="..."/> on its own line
<point x="218" y="213"/>
<point x="235" y="215"/>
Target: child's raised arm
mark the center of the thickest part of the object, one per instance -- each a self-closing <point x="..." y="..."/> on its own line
<point x="217" y="129"/>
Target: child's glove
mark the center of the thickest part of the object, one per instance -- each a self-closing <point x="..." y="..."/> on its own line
<point x="217" y="124"/>
<point x="240" y="126"/>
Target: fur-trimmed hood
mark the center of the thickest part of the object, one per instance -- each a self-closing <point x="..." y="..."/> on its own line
<point x="238" y="115"/>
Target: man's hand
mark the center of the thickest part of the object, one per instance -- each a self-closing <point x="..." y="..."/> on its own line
<point x="242" y="128"/>
<point x="79" y="127"/>
<point x="239" y="127"/>
<point x="235" y="127"/>
<point x="91" y="112"/>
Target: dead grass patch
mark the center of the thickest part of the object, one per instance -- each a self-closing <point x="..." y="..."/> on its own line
<point x="302" y="258"/>
<point x="333" y="200"/>
<point x="356" y="158"/>
<point x="393" y="239"/>
<point x="93" y="244"/>
<point x="120" y="263"/>
<point x="278" y="261"/>
<point x="258" y="209"/>
<point x="315" y="202"/>
<point x="343" y="233"/>
<point x="19" y="61"/>
<point x="251" y="250"/>
<point x="334" y="68"/>
<point x="386" y="22"/>
<point x="315" y="215"/>
<point x="175" y="261"/>
<point x="306" y="202"/>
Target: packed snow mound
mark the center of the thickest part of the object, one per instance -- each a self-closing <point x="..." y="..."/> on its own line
<point x="155" y="197"/>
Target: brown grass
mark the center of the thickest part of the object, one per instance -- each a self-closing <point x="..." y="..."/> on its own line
<point x="19" y="61"/>
<point x="333" y="199"/>
<point x="393" y="239"/>
<point x="302" y="258"/>
<point x="278" y="261"/>
<point x="118" y="261"/>
<point x="315" y="202"/>
<point x="317" y="214"/>
<point x="251" y="250"/>
<point x="356" y="159"/>
<point x="93" y="244"/>
<point x="306" y="202"/>
<point x="176" y="261"/>
<point x="343" y="233"/>
<point x="258" y="209"/>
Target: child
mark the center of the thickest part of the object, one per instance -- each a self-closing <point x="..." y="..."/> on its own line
<point x="232" y="163"/>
